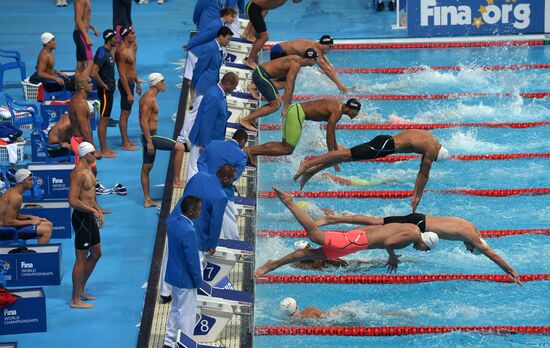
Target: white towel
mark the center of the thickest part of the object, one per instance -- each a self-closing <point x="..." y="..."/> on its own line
<point x="12" y="152"/>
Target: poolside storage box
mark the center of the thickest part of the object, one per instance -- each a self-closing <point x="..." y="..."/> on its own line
<point x="43" y="267"/>
<point x="27" y="314"/>
<point x="58" y="212"/>
<point x="52" y="178"/>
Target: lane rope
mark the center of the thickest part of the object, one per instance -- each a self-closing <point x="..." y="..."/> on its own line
<point x="392" y="278"/>
<point x="409" y="193"/>
<point x="413" y="70"/>
<point x="395" y="330"/>
<point x="424" y="126"/>
<point x="526" y="95"/>
<point x="484" y="233"/>
<point x="406" y="45"/>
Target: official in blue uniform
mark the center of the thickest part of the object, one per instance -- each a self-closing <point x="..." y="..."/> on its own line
<point x="216" y="154"/>
<point x="206" y="73"/>
<point x="211" y="120"/>
<point x="183" y="270"/>
<point x="210" y="189"/>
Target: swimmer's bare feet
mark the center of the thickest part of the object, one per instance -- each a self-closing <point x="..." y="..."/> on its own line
<point x="128" y="147"/>
<point x="325" y="220"/>
<point x="251" y="158"/>
<point x="81" y="305"/>
<point x="251" y="88"/>
<point x="301" y="169"/>
<point x="150" y="203"/>
<point x="133" y="143"/>
<point x="267" y="267"/>
<point x="246" y="124"/>
<point x="85" y="296"/>
<point x="251" y="64"/>
<point x="286" y="198"/>
<point x="179" y="184"/>
<point x="304" y="179"/>
<point x="108" y="153"/>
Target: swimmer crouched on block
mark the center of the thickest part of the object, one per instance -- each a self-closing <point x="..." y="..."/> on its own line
<point x="446" y="227"/>
<point x="338" y="244"/>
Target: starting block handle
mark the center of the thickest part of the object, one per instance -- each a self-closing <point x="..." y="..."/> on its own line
<point x="236" y="244"/>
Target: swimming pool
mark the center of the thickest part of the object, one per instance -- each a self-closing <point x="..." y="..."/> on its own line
<point x="454" y="303"/>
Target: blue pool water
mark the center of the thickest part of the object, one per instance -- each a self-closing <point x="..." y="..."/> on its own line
<point x="443" y="303"/>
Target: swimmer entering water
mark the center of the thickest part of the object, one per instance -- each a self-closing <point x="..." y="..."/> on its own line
<point x="316" y="264"/>
<point x="350" y="182"/>
<point x="338" y="244"/>
<point x="446" y="227"/>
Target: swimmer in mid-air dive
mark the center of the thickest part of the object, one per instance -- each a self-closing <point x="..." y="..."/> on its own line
<point x="409" y="141"/>
<point x="338" y="244"/>
<point x="323" y="110"/>
<point x="316" y="264"/>
<point x="446" y="227"/>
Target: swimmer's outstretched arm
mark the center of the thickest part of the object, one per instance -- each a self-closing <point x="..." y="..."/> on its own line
<point x="349" y="219"/>
<point x="493" y="256"/>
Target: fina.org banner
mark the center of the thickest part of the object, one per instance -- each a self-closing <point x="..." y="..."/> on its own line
<point x="475" y="17"/>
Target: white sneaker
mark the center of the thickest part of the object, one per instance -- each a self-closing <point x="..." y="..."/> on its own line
<point x="59" y="3"/>
<point x="160" y="2"/>
<point x="65" y="4"/>
<point x="141" y="2"/>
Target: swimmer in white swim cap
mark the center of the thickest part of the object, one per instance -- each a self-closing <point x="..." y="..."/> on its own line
<point x="289" y="306"/>
<point x="446" y="227"/>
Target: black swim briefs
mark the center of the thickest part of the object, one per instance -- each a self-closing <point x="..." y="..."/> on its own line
<point x="159" y="143"/>
<point x="85" y="229"/>
<point x="254" y="13"/>
<point x="263" y="82"/>
<point x="414" y="218"/>
<point x="380" y="146"/>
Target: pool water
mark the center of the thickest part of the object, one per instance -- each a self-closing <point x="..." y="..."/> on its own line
<point x="440" y="303"/>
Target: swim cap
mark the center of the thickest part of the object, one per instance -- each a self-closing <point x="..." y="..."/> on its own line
<point x="125" y="32"/>
<point x="430" y="239"/>
<point x="46" y="37"/>
<point x="443" y="154"/>
<point x="303" y="205"/>
<point x="476" y="251"/>
<point x="85" y="148"/>
<point x="301" y="244"/>
<point x="155" y="78"/>
<point x="326" y="40"/>
<point x="288" y="305"/>
<point x="108" y="35"/>
<point x="21" y="175"/>
<point x="353" y="104"/>
<point x="311" y="53"/>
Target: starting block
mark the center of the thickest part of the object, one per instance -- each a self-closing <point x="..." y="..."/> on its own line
<point x="27" y="314"/>
<point x="184" y="341"/>
<point x="243" y="72"/>
<point x="228" y="253"/>
<point x="237" y="50"/>
<point x="231" y="127"/>
<point x="241" y="105"/>
<point x="216" y="309"/>
<point x="246" y="207"/>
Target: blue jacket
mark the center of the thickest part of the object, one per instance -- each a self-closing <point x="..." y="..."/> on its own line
<point x="205" y="35"/>
<point x="213" y="202"/>
<point x="218" y="153"/>
<point x="211" y="118"/>
<point x="207" y="70"/>
<point x="206" y="11"/>
<point x="183" y="268"/>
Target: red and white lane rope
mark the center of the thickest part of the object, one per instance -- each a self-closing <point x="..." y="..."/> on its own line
<point x="409" y="45"/>
<point x="424" y="126"/>
<point x="392" y="278"/>
<point x="484" y="233"/>
<point x="409" y="193"/>
<point x="412" y="70"/>
<point x="526" y="95"/>
<point x="394" y="330"/>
